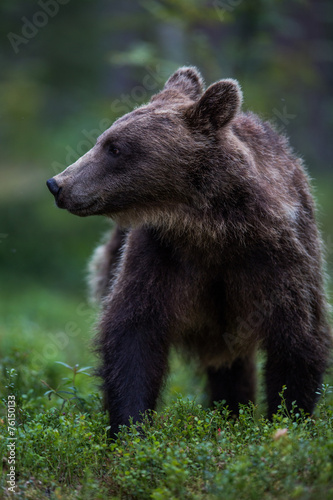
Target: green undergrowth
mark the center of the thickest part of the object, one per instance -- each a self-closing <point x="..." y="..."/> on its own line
<point x="182" y="451"/>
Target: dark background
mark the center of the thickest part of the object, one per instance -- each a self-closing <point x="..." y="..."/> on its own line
<point x="69" y="69"/>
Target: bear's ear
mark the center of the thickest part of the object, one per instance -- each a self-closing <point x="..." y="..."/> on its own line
<point x="186" y="80"/>
<point x="219" y="104"/>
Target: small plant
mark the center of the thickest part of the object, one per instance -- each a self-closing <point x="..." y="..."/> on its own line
<point x="71" y="393"/>
<point x="182" y="451"/>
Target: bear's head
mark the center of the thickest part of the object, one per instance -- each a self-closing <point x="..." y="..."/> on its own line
<point x="154" y="157"/>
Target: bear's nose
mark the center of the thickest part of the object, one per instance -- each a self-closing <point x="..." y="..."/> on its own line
<point x="53" y="186"/>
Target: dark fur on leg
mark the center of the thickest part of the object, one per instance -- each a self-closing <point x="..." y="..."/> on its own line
<point x="134" y="337"/>
<point x="132" y="381"/>
<point x="297" y="356"/>
<point x="301" y="378"/>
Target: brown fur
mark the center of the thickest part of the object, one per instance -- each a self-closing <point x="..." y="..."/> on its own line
<point x="221" y="253"/>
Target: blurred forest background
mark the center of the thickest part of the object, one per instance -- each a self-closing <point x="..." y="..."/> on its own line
<point x="70" y="67"/>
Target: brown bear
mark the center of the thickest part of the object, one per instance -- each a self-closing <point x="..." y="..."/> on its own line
<point x="216" y="250"/>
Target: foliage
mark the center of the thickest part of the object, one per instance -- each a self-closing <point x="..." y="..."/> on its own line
<point x="183" y="451"/>
<point x="67" y="73"/>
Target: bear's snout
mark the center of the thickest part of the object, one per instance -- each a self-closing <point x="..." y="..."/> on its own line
<point x="53" y="186"/>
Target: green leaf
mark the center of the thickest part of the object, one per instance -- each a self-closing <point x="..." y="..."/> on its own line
<point x="64" y="364"/>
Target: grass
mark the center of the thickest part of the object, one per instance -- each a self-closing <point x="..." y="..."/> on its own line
<point x="183" y="451"/>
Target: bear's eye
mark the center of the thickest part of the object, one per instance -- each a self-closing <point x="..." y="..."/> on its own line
<point x="113" y="150"/>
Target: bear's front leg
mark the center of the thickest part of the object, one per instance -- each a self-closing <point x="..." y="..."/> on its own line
<point x="134" y="363"/>
<point x="134" y="332"/>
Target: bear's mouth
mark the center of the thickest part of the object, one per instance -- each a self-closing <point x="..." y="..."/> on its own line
<point x="83" y="210"/>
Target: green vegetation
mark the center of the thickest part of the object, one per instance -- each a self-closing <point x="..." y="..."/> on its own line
<point x="182" y="451"/>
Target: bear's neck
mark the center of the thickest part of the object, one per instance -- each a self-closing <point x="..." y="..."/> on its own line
<point x="183" y="226"/>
